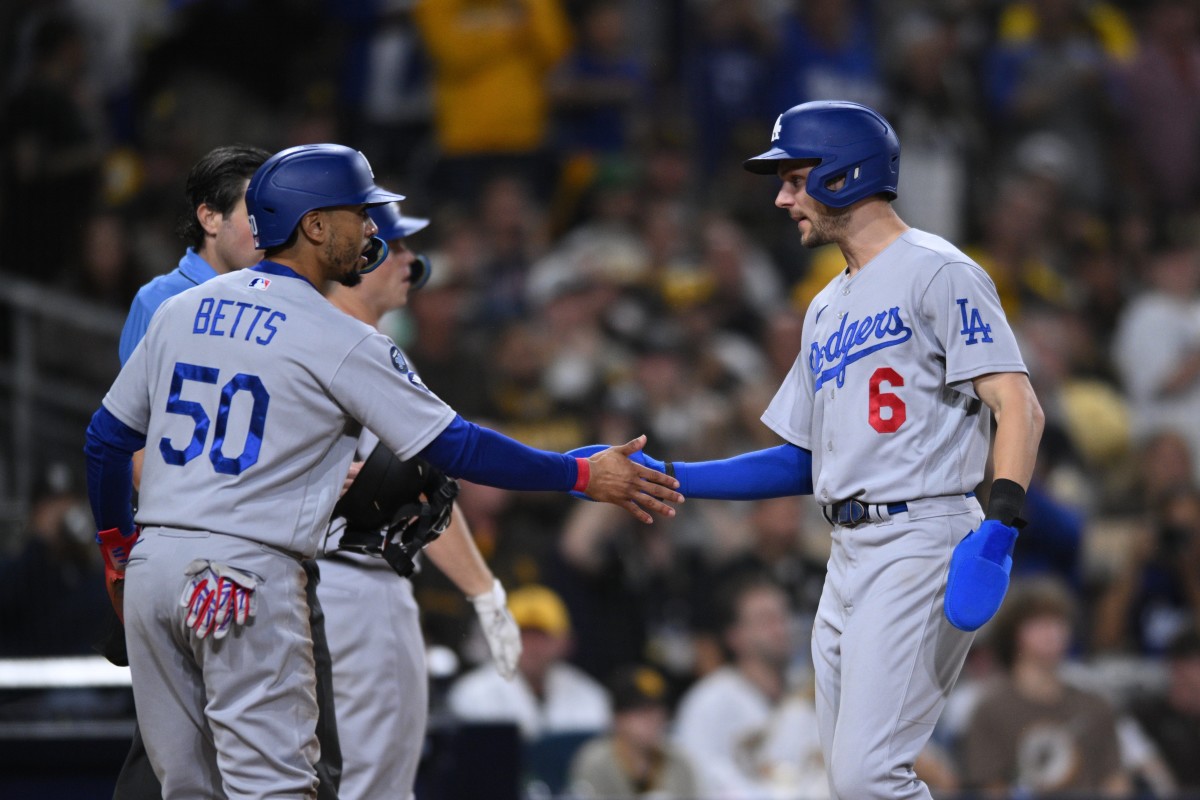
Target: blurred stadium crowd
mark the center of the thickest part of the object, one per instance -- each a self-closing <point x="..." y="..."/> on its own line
<point x="603" y="267"/>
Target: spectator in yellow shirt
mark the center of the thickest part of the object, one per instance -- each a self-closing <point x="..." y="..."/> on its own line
<point x="491" y="60"/>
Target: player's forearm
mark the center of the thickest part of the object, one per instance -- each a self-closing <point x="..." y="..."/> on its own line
<point x="109" y="449"/>
<point x="455" y="554"/>
<point x="780" y="471"/>
<point x="1018" y="431"/>
<point x="1019" y="423"/>
<point x="466" y="450"/>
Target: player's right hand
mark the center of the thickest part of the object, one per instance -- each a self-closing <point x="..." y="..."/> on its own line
<point x="115" y="548"/>
<point x="588" y="450"/>
<point x="216" y="597"/>
<point x="615" y="478"/>
<point x="978" y="578"/>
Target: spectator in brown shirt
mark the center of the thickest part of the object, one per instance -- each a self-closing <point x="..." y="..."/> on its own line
<point x="1032" y="731"/>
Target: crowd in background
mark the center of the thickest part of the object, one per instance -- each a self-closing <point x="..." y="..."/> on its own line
<point x="603" y="267"/>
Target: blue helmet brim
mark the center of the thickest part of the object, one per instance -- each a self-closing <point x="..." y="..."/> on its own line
<point x="377" y="197"/>
<point x="768" y="163"/>
<point x="404" y="226"/>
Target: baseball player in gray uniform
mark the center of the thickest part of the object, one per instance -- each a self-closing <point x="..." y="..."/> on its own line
<point x="380" y="683"/>
<point x="217" y="229"/>
<point x="250" y="391"/>
<point x="905" y="359"/>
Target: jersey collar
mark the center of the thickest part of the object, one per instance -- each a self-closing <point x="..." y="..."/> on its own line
<point x="193" y="267"/>
<point x="272" y="268"/>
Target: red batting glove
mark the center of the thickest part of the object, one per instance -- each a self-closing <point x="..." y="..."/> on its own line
<point x="115" y="548"/>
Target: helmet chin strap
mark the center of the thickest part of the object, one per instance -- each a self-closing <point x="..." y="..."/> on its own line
<point x="376" y="254"/>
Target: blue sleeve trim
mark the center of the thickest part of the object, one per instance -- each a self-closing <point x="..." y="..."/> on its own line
<point x="775" y="472"/>
<point x="109" y="449"/>
<point x="480" y="455"/>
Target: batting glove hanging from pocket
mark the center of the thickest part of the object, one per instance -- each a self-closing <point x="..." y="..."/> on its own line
<point x="216" y="597"/>
<point x="979" y="570"/>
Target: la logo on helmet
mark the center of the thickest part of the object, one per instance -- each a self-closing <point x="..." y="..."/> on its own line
<point x="778" y="125"/>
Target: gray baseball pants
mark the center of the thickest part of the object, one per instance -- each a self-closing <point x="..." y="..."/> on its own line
<point x="234" y="717"/>
<point x="884" y="656"/>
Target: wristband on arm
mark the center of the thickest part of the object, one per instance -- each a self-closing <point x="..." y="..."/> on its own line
<point x="583" y="475"/>
<point x="1005" y="501"/>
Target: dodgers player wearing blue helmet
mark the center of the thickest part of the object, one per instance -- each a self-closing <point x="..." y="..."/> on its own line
<point x="251" y="390"/>
<point x="395" y="226"/>
<point x="905" y="358"/>
<point x="217" y="230"/>
<point x="380" y="680"/>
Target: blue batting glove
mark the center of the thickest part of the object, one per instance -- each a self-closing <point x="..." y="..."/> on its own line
<point x="979" y="573"/>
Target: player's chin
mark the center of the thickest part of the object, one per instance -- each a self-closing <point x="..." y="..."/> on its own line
<point x="351" y="277"/>
<point x="813" y="238"/>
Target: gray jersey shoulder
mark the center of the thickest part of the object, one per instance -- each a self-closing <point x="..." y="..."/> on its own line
<point x="252" y="390"/>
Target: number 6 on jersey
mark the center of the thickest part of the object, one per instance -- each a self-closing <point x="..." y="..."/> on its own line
<point x="896" y="412"/>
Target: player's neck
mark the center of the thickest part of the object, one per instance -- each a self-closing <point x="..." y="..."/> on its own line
<point x="876" y="226"/>
<point x="354" y="303"/>
<point x="307" y="268"/>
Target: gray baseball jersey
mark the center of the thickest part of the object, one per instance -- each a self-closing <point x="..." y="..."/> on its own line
<point x="251" y="390"/>
<point x="881" y="391"/>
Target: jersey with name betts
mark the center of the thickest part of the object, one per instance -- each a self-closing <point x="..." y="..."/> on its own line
<point x="252" y="389"/>
<point x="881" y="391"/>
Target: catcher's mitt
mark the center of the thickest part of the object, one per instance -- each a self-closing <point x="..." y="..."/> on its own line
<point x="394" y="508"/>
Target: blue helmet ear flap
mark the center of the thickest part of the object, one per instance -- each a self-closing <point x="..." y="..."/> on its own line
<point x="376" y="254"/>
<point x="838" y="184"/>
<point x="419" y="272"/>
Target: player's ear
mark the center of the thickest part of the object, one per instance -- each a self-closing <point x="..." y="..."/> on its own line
<point x="209" y="218"/>
<point x="312" y="225"/>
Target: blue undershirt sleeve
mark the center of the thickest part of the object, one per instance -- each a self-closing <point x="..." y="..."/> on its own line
<point x="481" y="455"/>
<point x="109" y="449"/>
<point x="775" y="472"/>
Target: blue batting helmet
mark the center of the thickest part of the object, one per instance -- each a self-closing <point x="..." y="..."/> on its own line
<point x="394" y="225"/>
<point x="850" y="140"/>
<point x="301" y="179"/>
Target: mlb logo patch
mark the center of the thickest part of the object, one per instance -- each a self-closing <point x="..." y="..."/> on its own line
<point x="259" y="283"/>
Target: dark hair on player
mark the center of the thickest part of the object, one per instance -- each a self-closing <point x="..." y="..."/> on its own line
<point x="218" y="180"/>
